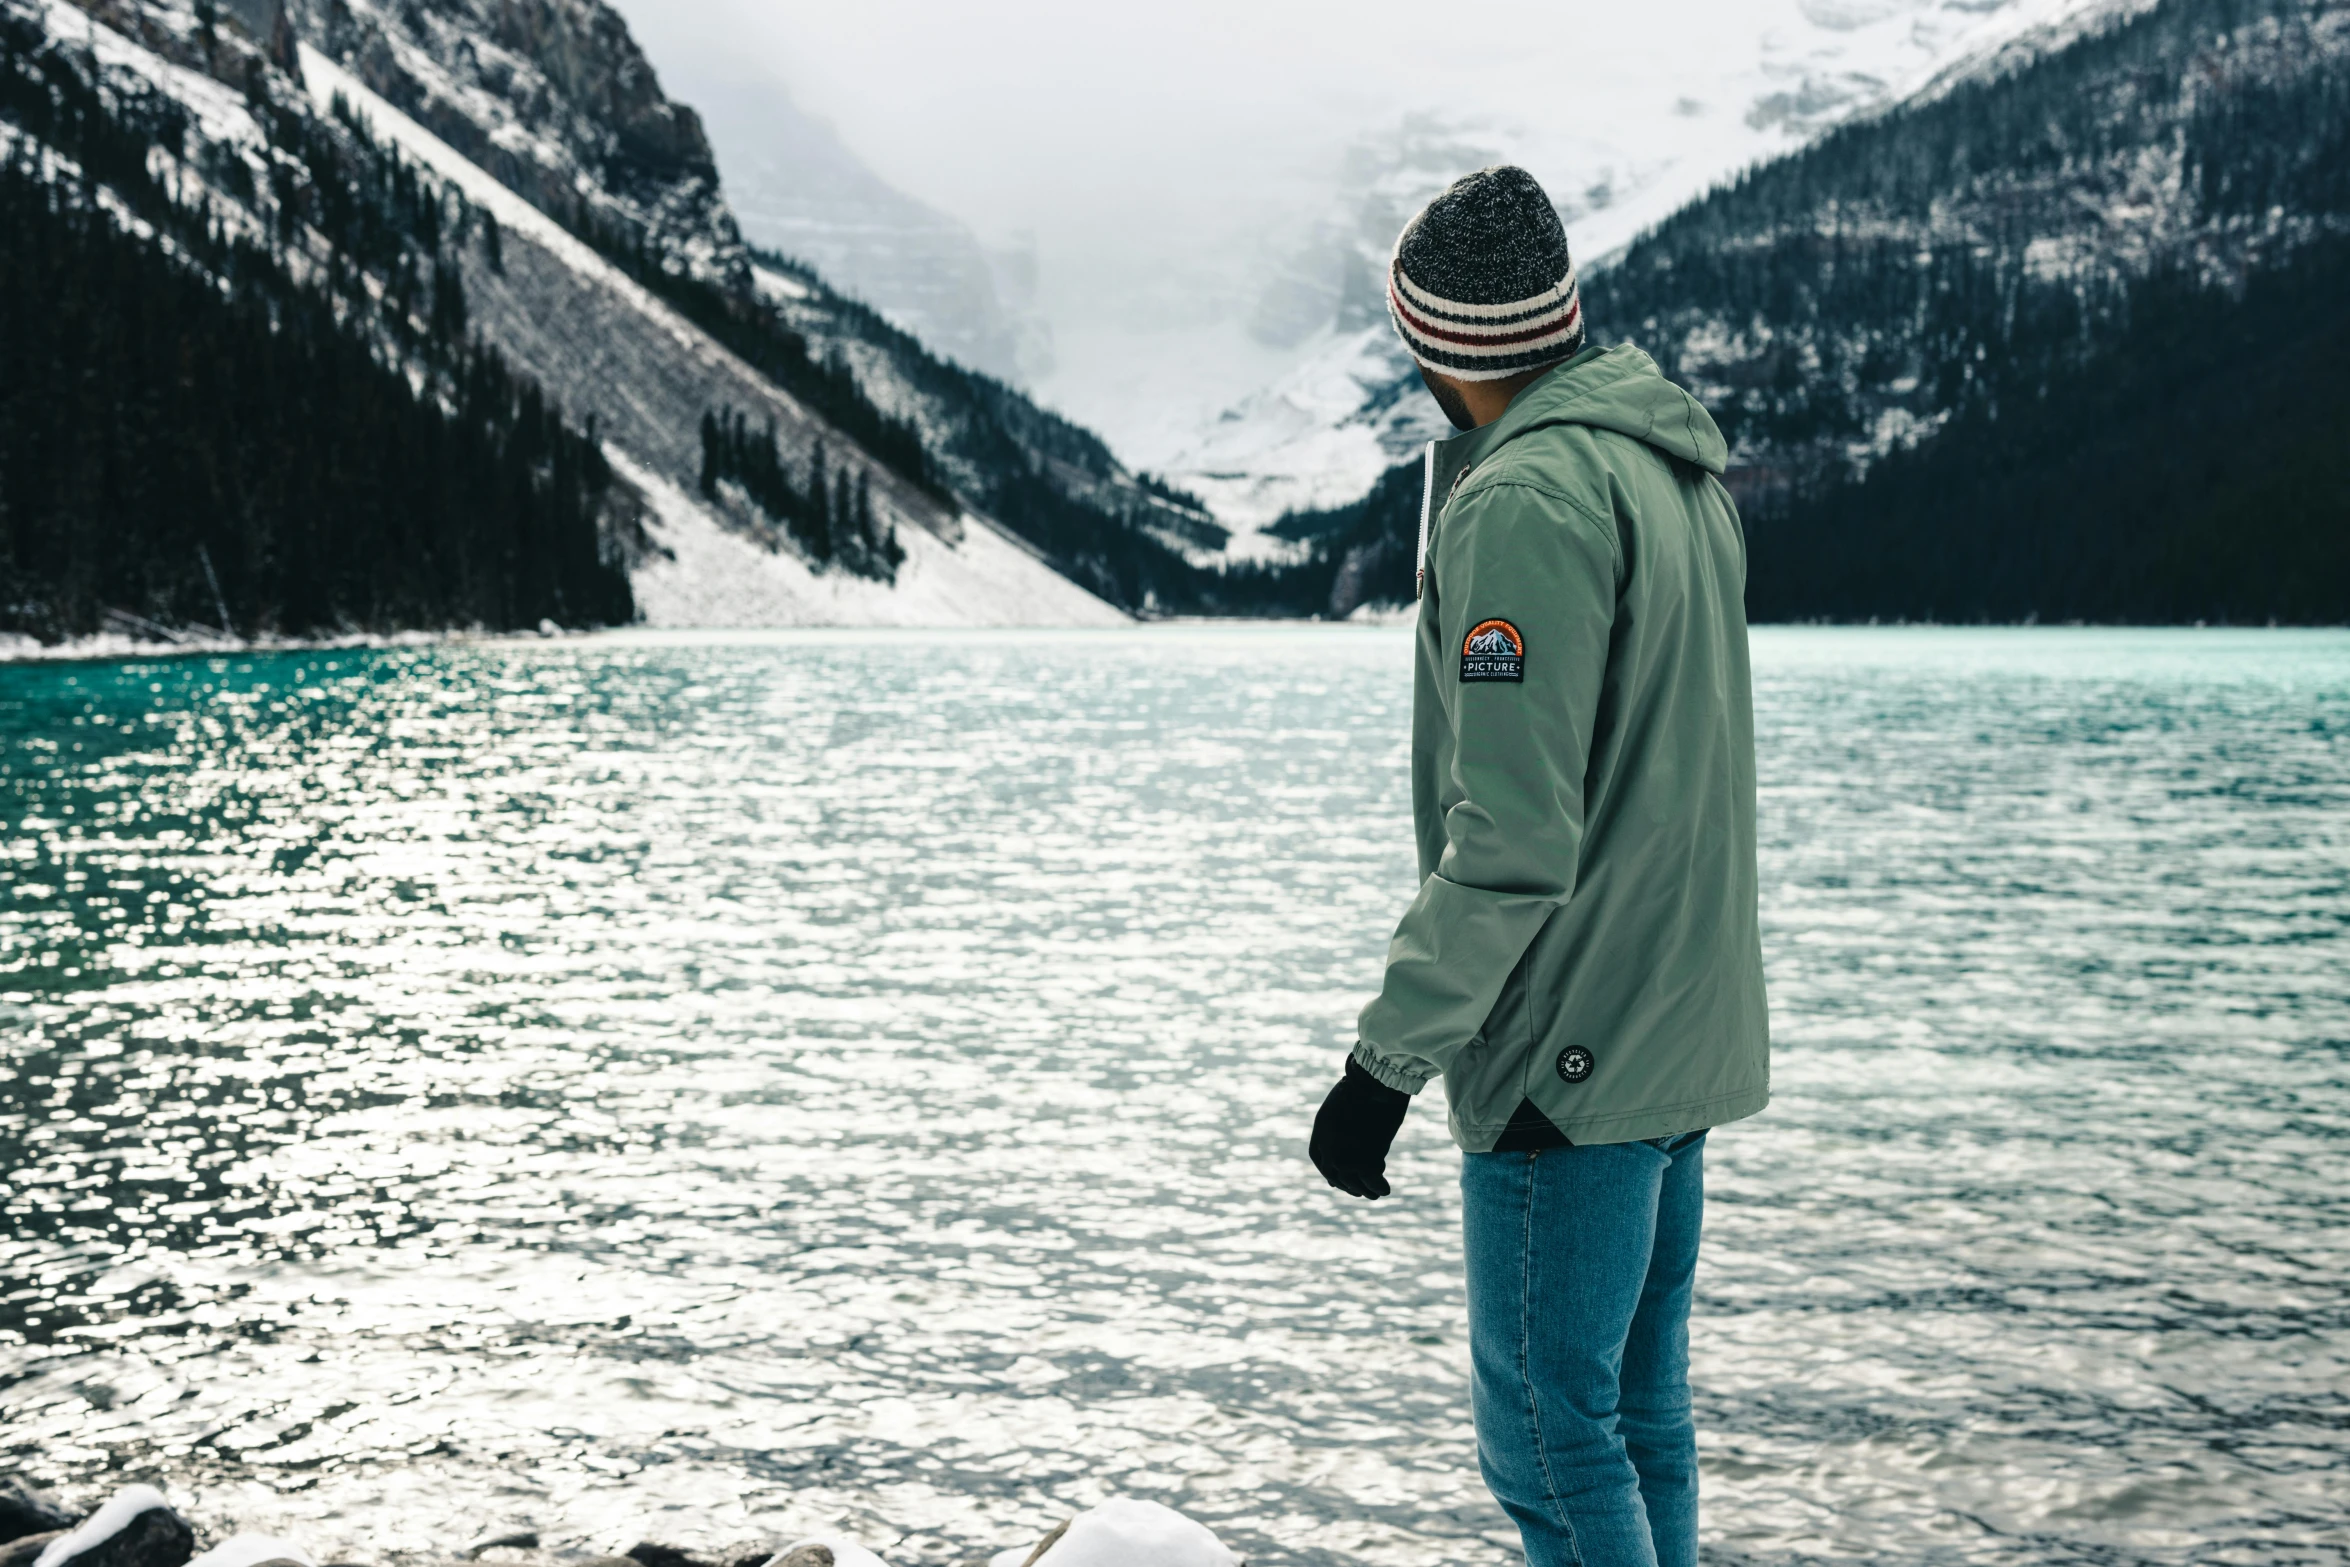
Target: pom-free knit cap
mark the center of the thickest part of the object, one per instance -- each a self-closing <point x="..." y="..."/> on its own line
<point x="1481" y="286"/>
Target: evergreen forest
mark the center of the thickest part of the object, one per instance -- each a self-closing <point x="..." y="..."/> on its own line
<point x="2176" y="476"/>
<point x="193" y="436"/>
<point x="1965" y="379"/>
<point x="832" y="519"/>
<point x="1958" y="386"/>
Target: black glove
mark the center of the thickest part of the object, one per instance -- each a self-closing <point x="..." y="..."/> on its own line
<point x="1352" y="1133"/>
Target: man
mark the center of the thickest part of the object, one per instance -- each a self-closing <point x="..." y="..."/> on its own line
<point x="1582" y="963"/>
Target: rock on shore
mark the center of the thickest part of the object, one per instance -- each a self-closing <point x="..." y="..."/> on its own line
<point x="1125" y="1532"/>
<point x="136" y="1528"/>
<point x="25" y="1511"/>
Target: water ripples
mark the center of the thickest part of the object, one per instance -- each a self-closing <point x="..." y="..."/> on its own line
<point x="698" y="1088"/>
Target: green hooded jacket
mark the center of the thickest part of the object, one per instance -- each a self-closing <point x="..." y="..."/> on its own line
<point x="1585" y="946"/>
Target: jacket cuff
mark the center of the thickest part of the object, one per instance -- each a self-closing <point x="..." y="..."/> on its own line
<point x="1404" y="1079"/>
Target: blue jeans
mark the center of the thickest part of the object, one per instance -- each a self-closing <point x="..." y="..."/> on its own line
<point x="1580" y="1262"/>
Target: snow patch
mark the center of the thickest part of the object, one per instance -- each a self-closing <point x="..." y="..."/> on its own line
<point x="778" y="288"/>
<point x="122" y="1509"/>
<point x="716" y="577"/>
<point x="1126" y="1531"/>
<point x="219" y="111"/>
<point x="253" y="1550"/>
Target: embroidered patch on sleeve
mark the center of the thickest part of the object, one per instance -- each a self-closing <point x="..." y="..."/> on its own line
<point x="1493" y="650"/>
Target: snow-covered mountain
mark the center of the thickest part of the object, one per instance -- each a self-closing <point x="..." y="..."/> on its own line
<point x="583" y="236"/>
<point x="477" y="196"/>
<point x="1994" y="234"/>
<point x="1618" y="156"/>
<point x="2068" y="338"/>
<point x="612" y="347"/>
<point x="2061" y="335"/>
<point x="552" y="99"/>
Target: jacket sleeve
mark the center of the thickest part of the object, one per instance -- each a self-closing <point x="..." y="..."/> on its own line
<point x="1513" y="834"/>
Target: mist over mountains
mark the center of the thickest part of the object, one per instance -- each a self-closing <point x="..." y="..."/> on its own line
<point x="471" y="179"/>
<point x="1936" y="335"/>
<point x="1209" y="191"/>
<point x="2048" y="341"/>
<point x="797" y="190"/>
<point x="1628" y="129"/>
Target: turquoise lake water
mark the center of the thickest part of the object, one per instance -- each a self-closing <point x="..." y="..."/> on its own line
<point x="702" y="1088"/>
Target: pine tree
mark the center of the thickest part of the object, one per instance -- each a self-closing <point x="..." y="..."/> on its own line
<point x="818" y="535"/>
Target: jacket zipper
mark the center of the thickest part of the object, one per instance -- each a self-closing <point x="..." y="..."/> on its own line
<point x="1427" y="498"/>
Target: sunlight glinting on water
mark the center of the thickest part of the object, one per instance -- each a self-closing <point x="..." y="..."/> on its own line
<point x="705" y="1088"/>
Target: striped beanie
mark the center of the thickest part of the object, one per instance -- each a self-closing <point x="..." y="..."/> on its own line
<point x="1481" y="286"/>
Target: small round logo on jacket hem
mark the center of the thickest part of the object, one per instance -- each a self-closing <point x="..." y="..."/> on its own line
<point x="1574" y="1063"/>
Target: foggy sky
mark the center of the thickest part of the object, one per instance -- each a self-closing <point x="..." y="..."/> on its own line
<point x="1130" y="137"/>
<point x="1167" y="161"/>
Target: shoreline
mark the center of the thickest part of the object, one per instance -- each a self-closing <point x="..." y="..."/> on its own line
<point x="124" y="647"/>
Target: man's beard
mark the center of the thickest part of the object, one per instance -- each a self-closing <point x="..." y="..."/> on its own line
<point x="1448" y="398"/>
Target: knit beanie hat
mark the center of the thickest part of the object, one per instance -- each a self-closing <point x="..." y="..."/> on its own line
<point x="1481" y="286"/>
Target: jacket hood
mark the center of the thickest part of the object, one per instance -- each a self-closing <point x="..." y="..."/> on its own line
<point x="1618" y="389"/>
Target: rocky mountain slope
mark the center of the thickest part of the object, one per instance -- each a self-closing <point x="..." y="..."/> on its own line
<point x="649" y="353"/>
<point x="955" y="452"/>
<point x="1923" y="297"/>
<point x="551" y="98"/>
<point x="577" y="232"/>
<point x="555" y="98"/>
<point x="1623" y="154"/>
<point x="1846" y="302"/>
